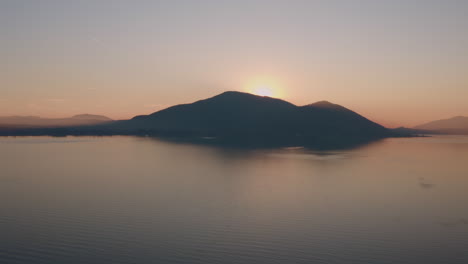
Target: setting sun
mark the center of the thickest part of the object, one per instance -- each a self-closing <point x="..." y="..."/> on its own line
<point x="264" y="86"/>
<point x="263" y="91"/>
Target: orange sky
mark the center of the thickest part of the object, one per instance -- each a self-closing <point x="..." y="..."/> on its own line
<point x="396" y="62"/>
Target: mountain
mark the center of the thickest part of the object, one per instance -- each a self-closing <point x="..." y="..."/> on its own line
<point x="454" y="125"/>
<point x="236" y="117"/>
<point x="38" y="122"/>
<point x="229" y="112"/>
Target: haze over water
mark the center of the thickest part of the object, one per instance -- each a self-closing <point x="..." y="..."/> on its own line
<point x="142" y="200"/>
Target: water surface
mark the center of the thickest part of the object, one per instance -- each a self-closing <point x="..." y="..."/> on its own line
<point x="142" y="200"/>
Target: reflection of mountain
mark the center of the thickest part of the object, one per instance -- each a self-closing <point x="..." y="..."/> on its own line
<point x="454" y="125"/>
<point x="241" y="118"/>
<point x="35" y="121"/>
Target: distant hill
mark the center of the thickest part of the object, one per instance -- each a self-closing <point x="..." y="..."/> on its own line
<point x="454" y="125"/>
<point x="404" y="131"/>
<point x="38" y="122"/>
<point x="91" y="117"/>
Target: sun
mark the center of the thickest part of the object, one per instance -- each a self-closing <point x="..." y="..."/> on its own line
<point x="263" y="91"/>
<point x="264" y="86"/>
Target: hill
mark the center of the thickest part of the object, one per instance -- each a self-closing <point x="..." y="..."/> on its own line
<point x="455" y="125"/>
<point x="38" y="122"/>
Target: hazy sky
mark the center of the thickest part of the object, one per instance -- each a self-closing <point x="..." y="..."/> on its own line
<point x="398" y="62"/>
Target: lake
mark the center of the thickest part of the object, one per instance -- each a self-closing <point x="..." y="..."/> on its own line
<point x="143" y="200"/>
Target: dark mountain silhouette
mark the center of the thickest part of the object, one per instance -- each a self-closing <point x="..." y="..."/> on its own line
<point x="225" y="113"/>
<point x="454" y="125"/>
<point x="243" y="119"/>
<point x="36" y="122"/>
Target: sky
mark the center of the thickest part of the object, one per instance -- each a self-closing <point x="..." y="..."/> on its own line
<point x="398" y="62"/>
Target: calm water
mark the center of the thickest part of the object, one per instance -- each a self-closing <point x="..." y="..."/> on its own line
<point x="140" y="200"/>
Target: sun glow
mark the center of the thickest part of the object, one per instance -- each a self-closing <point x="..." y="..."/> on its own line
<point x="263" y="91"/>
<point x="264" y="87"/>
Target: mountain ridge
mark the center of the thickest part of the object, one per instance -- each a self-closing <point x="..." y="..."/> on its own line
<point x="453" y="125"/>
<point x="37" y="121"/>
<point x="237" y="116"/>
